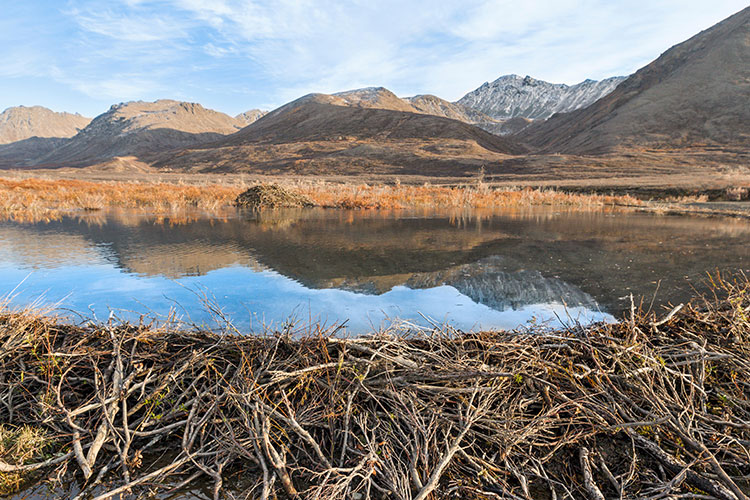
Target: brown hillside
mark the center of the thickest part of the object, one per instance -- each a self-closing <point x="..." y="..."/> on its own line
<point x="248" y="117"/>
<point x="433" y="105"/>
<point x="697" y="94"/>
<point x="311" y="118"/>
<point x="382" y="98"/>
<point x="139" y="128"/>
<point x="311" y="135"/>
<point x="24" y="152"/>
<point x="370" y="97"/>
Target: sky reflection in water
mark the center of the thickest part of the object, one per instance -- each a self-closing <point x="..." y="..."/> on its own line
<point x="257" y="299"/>
<point x="366" y="269"/>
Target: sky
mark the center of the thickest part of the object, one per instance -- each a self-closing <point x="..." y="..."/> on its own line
<point x="235" y="55"/>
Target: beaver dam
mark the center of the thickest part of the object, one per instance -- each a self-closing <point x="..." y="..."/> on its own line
<point x="650" y="407"/>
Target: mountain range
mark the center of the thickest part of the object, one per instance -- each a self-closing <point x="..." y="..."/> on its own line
<point x="129" y="129"/>
<point x="316" y="134"/>
<point x="694" y="97"/>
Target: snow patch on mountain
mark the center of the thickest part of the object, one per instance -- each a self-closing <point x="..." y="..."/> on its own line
<point x="513" y="96"/>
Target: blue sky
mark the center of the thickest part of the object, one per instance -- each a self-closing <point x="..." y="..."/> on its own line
<point x="234" y="55"/>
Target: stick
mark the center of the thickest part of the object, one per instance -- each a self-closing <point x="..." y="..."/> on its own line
<point x="588" y="478"/>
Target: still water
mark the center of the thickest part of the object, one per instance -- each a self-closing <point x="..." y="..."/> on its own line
<point x="366" y="270"/>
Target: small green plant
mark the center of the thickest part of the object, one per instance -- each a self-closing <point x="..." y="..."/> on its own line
<point x="20" y="446"/>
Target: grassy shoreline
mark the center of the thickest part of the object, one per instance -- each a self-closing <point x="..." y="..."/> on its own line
<point x="36" y="199"/>
<point x="651" y="407"/>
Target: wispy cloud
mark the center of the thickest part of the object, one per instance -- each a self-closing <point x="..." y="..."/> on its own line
<point x="240" y="54"/>
<point x="446" y="47"/>
<point x="128" y="27"/>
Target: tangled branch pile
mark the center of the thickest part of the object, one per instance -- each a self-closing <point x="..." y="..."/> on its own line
<point x="641" y="409"/>
<point x="263" y="196"/>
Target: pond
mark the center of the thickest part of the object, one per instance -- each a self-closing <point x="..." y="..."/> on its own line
<point x="362" y="271"/>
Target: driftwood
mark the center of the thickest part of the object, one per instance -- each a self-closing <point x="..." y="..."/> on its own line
<point x="649" y="408"/>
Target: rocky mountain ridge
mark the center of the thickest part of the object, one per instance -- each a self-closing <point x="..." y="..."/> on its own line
<point x="427" y="104"/>
<point x="513" y="96"/>
<point x="133" y="129"/>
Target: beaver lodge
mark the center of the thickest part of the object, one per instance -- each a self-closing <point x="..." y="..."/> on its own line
<point x="651" y="407"/>
<point x="263" y="196"/>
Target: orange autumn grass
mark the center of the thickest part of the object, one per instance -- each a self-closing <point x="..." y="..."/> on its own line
<point x="39" y="199"/>
<point x="479" y="195"/>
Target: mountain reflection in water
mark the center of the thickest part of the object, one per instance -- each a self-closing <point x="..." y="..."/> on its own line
<point x="473" y="270"/>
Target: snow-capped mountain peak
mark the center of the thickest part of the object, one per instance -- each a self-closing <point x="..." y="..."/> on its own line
<point x="512" y="96"/>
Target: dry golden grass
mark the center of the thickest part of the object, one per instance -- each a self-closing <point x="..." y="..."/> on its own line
<point x="400" y="196"/>
<point x="20" y="446"/>
<point x="40" y="199"/>
<point x="699" y="198"/>
<point x="37" y="199"/>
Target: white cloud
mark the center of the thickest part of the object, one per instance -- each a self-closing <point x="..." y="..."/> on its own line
<point x="492" y="20"/>
<point x="118" y="88"/>
<point x="219" y="51"/>
<point x="446" y="47"/>
<point x="22" y="63"/>
<point x="251" y="53"/>
<point x="128" y="27"/>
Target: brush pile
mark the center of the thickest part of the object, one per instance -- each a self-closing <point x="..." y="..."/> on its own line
<point x="647" y="408"/>
<point x="263" y="196"/>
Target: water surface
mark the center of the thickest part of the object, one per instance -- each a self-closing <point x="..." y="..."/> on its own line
<point x="367" y="269"/>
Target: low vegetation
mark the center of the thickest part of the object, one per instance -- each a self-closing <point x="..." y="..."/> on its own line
<point x="651" y="408"/>
<point x="19" y="446"/>
<point x="39" y="199"/>
<point x="477" y="195"/>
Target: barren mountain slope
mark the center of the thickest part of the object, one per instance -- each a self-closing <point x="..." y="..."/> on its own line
<point x="248" y="117"/>
<point x="370" y="97"/>
<point x="311" y="135"/>
<point x="137" y="128"/>
<point x="312" y="117"/>
<point x="22" y="122"/>
<point x="382" y="98"/>
<point x="25" y="152"/>
<point x="696" y="94"/>
<point x="433" y="105"/>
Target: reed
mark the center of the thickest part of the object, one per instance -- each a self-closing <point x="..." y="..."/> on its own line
<point x="399" y="196"/>
<point x="39" y="199"/>
<point x="651" y="407"/>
